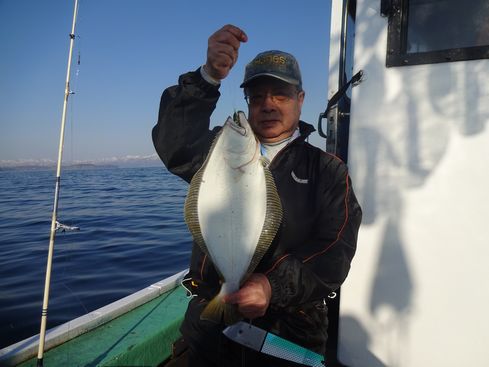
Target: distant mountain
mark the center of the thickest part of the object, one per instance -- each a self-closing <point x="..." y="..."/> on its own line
<point x="127" y="161"/>
<point x="131" y="161"/>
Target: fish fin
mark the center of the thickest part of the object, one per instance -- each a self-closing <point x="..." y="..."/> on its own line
<point x="217" y="311"/>
<point x="264" y="161"/>
<point x="191" y="213"/>
<point x="231" y="314"/>
<point x="273" y="219"/>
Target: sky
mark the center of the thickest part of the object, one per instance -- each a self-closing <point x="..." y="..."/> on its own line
<point x="129" y="52"/>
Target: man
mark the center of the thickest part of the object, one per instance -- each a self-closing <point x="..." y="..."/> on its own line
<point x="311" y="254"/>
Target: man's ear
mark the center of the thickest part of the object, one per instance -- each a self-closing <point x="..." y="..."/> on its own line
<point x="300" y="97"/>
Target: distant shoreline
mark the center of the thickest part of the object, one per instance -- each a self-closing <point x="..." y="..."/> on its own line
<point x="80" y="166"/>
<point x="50" y="168"/>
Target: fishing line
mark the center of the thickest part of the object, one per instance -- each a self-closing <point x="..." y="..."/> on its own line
<point x="64" y="270"/>
<point x="73" y="91"/>
<point x="71" y="243"/>
<point x="232" y="91"/>
<point x="190" y="294"/>
<point x="74" y="86"/>
<point x="80" y="302"/>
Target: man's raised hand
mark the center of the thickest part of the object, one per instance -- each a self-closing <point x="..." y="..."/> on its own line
<point x="222" y="50"/>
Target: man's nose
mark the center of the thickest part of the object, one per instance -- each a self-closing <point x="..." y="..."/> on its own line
<point x="268" y="102"/>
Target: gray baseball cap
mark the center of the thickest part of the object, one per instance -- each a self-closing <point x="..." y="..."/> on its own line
<point x="276" y="64"/>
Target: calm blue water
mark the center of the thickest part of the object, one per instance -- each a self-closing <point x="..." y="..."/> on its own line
<point x="132" y="235"/>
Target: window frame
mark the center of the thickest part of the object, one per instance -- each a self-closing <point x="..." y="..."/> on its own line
<point x="397" y="55"/>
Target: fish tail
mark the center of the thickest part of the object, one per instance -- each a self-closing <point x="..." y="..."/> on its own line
<point x="217" y="311"/>
<point x="231" y="314"/>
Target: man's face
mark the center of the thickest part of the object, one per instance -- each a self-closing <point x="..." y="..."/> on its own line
<point x="274" y="108"/>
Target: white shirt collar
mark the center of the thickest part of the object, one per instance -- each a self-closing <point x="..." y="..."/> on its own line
<point x="270" y="150"/>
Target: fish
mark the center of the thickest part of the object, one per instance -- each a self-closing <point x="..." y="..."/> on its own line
<point x="233" y="211"/>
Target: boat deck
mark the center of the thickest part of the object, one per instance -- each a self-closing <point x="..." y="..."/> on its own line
<point x="142" y="337"/>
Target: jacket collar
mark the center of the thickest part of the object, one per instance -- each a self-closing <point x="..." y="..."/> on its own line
<point x="305" y="129"/>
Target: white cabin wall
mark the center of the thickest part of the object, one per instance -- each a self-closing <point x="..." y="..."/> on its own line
<point x="416" y="294"/>
<point x="334" y="47"/>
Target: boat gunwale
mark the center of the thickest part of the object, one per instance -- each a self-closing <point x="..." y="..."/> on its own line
<point x="27" y="348"/>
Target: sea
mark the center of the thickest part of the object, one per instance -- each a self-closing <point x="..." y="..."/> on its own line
<point x="131" y="235"/>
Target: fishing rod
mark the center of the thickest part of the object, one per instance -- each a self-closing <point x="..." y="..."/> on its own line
<point x="44" y="314"/>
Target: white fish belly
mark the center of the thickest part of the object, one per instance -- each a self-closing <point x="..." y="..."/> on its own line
<point x="231" y="209"/>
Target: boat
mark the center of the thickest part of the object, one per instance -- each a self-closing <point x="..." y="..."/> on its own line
<point x="141" y="329"/>
<point x="408" y="111"/>
<point x="415" y="133"/>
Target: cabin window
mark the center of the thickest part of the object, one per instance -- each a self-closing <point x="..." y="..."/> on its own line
<point x="433" y="31"/>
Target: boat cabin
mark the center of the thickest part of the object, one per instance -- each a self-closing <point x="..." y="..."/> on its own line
<point x="414" y="130"/>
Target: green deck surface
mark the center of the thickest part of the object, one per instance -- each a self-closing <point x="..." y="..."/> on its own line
<point x="142" y="337"/>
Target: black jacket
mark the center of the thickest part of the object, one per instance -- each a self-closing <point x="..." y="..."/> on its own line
<point x="311" y="254"/>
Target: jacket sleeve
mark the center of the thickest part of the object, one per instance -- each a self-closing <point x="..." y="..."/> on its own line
<point x="182" y="137"/>
<point x="320" y="265"/>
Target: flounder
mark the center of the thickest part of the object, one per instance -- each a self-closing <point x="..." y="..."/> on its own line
<point x="233" y="210"/>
